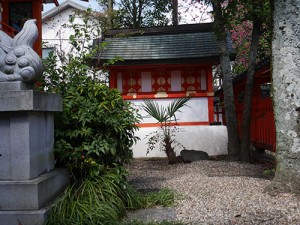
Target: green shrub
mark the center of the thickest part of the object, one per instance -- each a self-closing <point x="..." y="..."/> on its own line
<point x="96" y="129"/>
<point x="102" y="200"/>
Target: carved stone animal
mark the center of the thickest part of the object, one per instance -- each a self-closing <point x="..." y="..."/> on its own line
<point x="18" y="60"/>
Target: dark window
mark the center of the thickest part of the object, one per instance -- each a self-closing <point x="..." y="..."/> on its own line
<point x="241" y="97"/>
<point x="19" y="12"/>
<point x="265" y="90"/>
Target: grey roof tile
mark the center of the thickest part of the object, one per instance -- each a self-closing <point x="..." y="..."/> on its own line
<point x="169" y="43"/>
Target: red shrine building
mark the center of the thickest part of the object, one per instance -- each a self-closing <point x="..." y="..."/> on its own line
<point x="165" y="63"/>
<point x="262" y="127"/>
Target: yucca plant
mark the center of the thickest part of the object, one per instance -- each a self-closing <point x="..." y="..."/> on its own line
<point x="166" y="117"/>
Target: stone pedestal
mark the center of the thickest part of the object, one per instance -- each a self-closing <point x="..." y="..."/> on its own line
<point x="28" y="180"/>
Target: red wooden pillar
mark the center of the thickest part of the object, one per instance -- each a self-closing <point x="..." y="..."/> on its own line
<point x="36" y="7"/>
<point x="210" y="94"/>
<point x="112" y="79"/>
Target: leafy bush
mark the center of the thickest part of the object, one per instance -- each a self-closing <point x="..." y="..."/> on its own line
<point x="96" y="128"/>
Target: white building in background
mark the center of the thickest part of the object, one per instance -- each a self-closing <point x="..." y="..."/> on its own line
<point x="56" y="31"/>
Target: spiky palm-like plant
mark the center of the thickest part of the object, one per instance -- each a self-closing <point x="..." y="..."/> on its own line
<point x="166" y="117"/>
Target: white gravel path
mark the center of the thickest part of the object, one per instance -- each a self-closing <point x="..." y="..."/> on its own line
<point x="218" y="192"/>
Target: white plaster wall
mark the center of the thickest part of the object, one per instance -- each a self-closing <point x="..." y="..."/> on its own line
<point x="196" y="111"/>
<point x="55" y="34"/>
<point x="210" y="139"/>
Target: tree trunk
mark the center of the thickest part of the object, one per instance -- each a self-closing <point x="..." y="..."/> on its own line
<point x="110" y="8"/>
<point x="172" y="159"/>
<point x="175" y="12"/>
<point x="245" y="139"/>
<point x="286" y="95"/>
<point x="230" y="113"/>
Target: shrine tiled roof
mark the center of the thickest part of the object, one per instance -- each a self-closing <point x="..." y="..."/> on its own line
<point x="185" y="43"/>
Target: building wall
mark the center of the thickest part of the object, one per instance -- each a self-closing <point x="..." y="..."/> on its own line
<point x="56" y="34"/>
<point x="196" y="112"/>
<point x="194" y="132"/>
<point x="262" y="127"/>
<point x="211" y="139"/>
<point x="163" y="84"/>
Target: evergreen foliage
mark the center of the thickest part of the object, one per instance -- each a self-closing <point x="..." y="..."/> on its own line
<point x="96" y="128"/>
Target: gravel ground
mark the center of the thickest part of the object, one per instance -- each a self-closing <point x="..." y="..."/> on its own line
<point x="217" y="192"/>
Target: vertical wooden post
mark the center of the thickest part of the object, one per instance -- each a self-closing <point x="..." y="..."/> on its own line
<point x="37" y="7"/>
<point x="210" y="91"/>
<point x="113" y="79"/>
<point x="175" y="12"/>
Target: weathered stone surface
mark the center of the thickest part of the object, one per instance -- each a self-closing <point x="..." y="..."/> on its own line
<point x="286" y="94"/>
<point x="27" y="133"/>
<point x="28" y="181"/>
<point x="15" y="86"/>
<point x="30" y="217"/>
<point x="32" y="194"/>
<point x="26" y="144"/>
<point x="29" y="100"/>
<point x="193" y="155"/>
<point x="18" y="60"/>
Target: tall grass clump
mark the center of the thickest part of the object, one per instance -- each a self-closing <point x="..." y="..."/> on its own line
<point x="164" y="197"/>
<point x="102" y="200"/>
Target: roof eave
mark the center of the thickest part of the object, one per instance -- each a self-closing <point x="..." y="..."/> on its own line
<point x="212" y="60"/>
<point x="56" y="10"/>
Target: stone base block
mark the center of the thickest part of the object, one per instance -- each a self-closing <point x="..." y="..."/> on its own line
<point x="31" y="217"/>
<point x="31" y="194"/>
<point x="16" y="86"/>
<point x="27" y="133"/>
